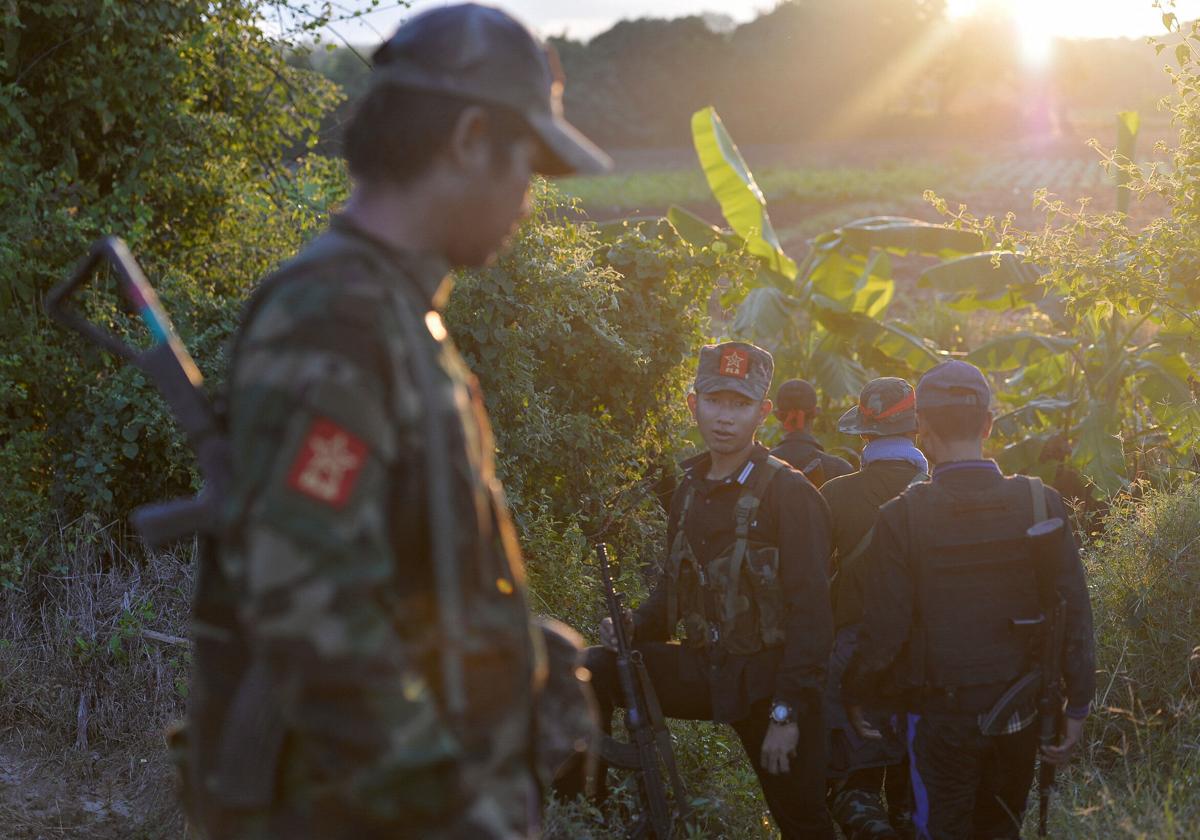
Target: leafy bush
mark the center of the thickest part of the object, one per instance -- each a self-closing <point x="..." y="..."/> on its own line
<point x="167" y="124"/>
<point x="1138" y="776"/>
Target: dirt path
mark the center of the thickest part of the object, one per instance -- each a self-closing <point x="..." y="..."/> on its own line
<point x="45" y="797"/>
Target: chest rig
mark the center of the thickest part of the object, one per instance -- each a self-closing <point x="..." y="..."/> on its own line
<point x="733" y="603"/>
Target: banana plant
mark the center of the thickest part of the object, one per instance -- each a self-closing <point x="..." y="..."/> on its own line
<point x="1110" y="392"/>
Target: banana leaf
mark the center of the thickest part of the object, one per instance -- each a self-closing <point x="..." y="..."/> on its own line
<point x="1099" y="452"/>
<point x="1048" y="376"/>
<point x="998" y="280"/>
<point x="737" y="192"/>
<point x="1024" y="457"/>
<point x="903" y="236"/>
<point x="1033" y="413"/>
<point x="1018" y="350"/>
<point x="695" y="231"/>
<point x="835" y="373"/>
<point x="766" y="317"/>
<point x="890" y="339"/>
<point x="1162" y="378"/>
<point x="854" y="283"/>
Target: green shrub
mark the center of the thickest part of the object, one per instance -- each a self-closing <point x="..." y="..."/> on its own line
<point x="1140" y="774"/>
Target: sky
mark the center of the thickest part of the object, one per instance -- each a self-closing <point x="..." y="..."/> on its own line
<point x="1040" y="20"/>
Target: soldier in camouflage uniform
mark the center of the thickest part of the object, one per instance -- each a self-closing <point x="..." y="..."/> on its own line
<point x="746" y="576"/>
<point x="366" y="665"/>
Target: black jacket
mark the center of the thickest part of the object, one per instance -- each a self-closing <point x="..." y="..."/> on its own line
<point x="793" y="517"/>
<point x="800" y="449"/>
<point x="888" y="597"/>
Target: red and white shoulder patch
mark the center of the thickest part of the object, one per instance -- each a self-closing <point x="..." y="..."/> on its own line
<point x="328" y="463"/>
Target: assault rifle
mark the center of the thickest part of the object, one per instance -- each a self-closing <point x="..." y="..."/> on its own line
<point x="1045" y="539"/>
<point x="171" y="369"/>
<point x="649" y="749"/>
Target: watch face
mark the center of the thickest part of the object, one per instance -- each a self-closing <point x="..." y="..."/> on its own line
<point x="779" y="713"/>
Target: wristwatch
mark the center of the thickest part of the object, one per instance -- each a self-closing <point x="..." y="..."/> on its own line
<point x="782" y="713"/>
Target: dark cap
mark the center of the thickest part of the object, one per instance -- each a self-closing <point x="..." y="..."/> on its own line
<point x="796" y="395"/>
<point x="483" y="54"/>
<point x="886" y="406"/>
<point x="953" y="383"/>
<point x="734" y="366"/>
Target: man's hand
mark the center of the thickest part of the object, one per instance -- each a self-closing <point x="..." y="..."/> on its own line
<point x="608" y="636"/>
<point x="1068" y="741"/>
<point x="778" y="746"/>
<point x="864" y="729"/>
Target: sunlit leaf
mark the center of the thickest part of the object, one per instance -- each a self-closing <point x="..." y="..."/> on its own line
<point x="1033" y="413"/>
<point x="1128" y="123"/>
<point x="692" y="229"/>
<point x="903" y="235"/>
<point x="1018" y="350"/>
<point x="1098" y="448"/>
<point x="999" y="280"/>
<point x="735" y="189"/>
<point x="1024" y="457"/>
<point x="835" y="373"/>
<point x="766" y="317"/>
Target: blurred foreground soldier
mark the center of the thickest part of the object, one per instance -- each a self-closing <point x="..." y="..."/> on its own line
<point x="795" y="408"/>
<point x="749" y="549"/>
<point x="365" y="664"/>
<point x="951" y="600"/>
<point x="886" y="419"/>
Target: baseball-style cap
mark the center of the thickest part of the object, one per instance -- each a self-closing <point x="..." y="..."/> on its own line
<point x="484" y="54"/>
<point x="953" y="383"/>
<point x="796" y="395"/>
<point x="886" y="406"/>
<point x="734" y="366"/>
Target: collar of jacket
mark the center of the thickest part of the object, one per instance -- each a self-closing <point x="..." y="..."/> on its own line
<point x="941" y="471"/>
<point x="429" y="272"/>
<point x="697" y="466"/>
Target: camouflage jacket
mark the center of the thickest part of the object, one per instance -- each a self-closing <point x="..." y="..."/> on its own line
<point x="330" y="552"/>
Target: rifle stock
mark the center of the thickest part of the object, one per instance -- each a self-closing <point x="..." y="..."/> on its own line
<point x="650" y="750"/>
<point x="170" y="367"/>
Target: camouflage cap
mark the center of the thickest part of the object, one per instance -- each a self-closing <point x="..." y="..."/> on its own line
<point x="953" y="383"/>
<point x="483" y="54"/>
<point x="886" y="406"/>
<point x="734" y="366"/>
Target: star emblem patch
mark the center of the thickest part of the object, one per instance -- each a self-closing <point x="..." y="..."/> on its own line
<point x="735" y="362"/>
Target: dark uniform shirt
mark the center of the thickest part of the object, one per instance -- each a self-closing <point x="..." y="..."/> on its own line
<point x="854" y="501"/>
<point x="793" y="517"/>
<point x="801" y="449"/>
<point x="889" y="595"/>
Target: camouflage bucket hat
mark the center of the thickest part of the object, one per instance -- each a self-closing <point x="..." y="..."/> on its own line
<point x="886" y="406"/>
<point x="483" y="54"/>
<point x="734" y="366"/>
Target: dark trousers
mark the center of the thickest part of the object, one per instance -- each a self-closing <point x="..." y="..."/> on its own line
<point x="796" y="798"/>
<point x="967" y="785"/>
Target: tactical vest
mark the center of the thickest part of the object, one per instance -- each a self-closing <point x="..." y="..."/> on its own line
<point x="483" y="658"/>
<point x="734" y="602"/>
<point x="973" y="575"/>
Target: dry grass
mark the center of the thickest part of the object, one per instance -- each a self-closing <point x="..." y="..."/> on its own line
<point x="92" y="670"/>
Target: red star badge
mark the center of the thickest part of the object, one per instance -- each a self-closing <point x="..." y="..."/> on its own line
<point x="735" y="362"/>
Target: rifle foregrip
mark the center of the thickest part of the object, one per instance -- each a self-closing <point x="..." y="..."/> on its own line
<point x="164" y="523"/>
